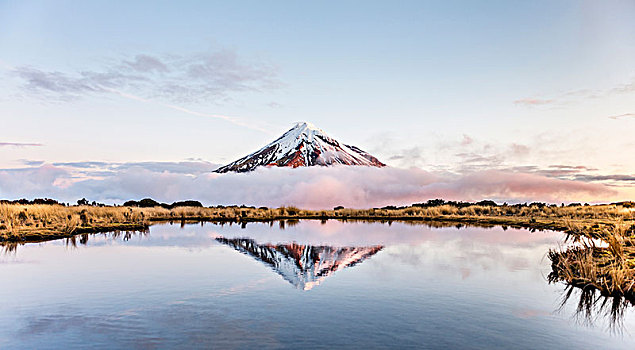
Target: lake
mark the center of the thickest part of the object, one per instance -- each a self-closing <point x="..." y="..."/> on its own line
<point x="306" y="284"/>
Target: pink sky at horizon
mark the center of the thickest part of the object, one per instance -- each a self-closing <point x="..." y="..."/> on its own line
<point x="311" y="187"/>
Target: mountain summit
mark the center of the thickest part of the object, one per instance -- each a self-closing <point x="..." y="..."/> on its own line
<point x="303" y="145"/>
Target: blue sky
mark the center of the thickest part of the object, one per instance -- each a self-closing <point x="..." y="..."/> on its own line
<point x="448" y="86"/>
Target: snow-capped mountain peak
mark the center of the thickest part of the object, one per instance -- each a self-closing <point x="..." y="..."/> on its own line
<point x="303" y="145"/>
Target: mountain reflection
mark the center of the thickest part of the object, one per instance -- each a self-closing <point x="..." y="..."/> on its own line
<point x="304" y="266"/>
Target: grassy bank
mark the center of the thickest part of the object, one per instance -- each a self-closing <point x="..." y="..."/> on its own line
<point x="23" y="222"/>
<point x="602" y="260"/>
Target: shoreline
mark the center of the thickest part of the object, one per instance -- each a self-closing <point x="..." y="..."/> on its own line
<point x="32" y="222"/>
<point x="44" y="235"/>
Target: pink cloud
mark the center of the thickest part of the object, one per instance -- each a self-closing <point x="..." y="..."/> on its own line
<point x="314" y="187"/>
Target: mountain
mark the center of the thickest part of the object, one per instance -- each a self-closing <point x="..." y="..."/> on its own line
<point x="304" y="266"/>
<point x="302" y="145"/>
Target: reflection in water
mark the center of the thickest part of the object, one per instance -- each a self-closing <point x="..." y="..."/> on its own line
<point x="424" y="288"/>
<point x="12" y="247"/>
<point x="304" y="266"/>
<point x="114" y="235"/>
<point x="593" y="306"/>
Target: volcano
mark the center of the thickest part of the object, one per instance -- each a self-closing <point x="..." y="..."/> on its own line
<point x="303" y="145"/>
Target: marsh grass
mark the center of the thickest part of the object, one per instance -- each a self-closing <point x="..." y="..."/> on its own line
<point x="600" y="260"/>
<point x="20" y="222"/>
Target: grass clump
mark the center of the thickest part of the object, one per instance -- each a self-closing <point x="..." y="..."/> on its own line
<point x="602" y="259"/>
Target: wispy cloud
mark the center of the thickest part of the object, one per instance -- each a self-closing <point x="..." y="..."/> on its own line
<point x="577" y="95"/>
<point x="624" y="178"/>
<point x="233" y="120"/>
<point x="168" y="81"/>
<point x="624" y="88"/>
<point x="455" y="153"/>
<point x="467" y="140"/>
<point x="208" y="77"/>
<point x="147" y="63"/>
<point x="460" y="157"/>
<point x="19" y="144"/>
<point x="30" y="162"/>
<point x="95" y="169"/>
<point x="533" y="101"/>
<point x="623" y="116"/>
<point x="575" y="173"/>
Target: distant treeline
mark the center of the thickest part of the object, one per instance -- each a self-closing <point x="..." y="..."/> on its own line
<point x="47" y="201"/>
<point x="489" y="203"/>
<point x="151" y="203"/>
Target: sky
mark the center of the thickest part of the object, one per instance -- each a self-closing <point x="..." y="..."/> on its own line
<point x="449" y="94"/>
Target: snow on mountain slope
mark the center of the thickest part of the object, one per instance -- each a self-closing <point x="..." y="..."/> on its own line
<point x="303" y="145"/>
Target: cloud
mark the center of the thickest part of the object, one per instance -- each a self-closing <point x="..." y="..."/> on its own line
<point x="623" y="116"/>
<point x="475" y="161"/>
<point x="208" y="77"/>
<point x="65" y="87"/>
<point x="203" y="77"/>
<point x="576" y="173"/>
<point x="409" y="156"/>
<point x="146" y="63"/>
<point x="578" y="94"/>
<point x="623" y="88"/>
<point x="19" y="144"/>
<point x="42" y="181"/>
<point x="274" y="105"/>
<point x="519" y="150"/>
<point x="30" y="162"/>
<point x="92" y="169"/>
<point x="456" y="154"/>
<point x="613" y="178"/>
<point x="467" y="140"/>
<point x="533" y="101"/>
<point x="313" y="187"/>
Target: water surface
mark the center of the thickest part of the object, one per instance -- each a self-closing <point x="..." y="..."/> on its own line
<point x="308" y="284"/>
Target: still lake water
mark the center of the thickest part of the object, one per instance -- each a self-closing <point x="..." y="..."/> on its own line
<point x="309" y="285"/>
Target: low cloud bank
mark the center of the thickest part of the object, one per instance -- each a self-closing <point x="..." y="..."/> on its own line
<point x="314" y="187"/>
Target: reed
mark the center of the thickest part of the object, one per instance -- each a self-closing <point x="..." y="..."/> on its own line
<point x="607" y="266"/>
<point x="21" y="222"/>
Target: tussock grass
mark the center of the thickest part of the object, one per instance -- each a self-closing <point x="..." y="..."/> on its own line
<point x="602" y="259"/>
<point x="20" y="222"/>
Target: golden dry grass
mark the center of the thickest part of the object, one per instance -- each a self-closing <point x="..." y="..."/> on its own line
<point x="602" y="259"/>
<point x="21" y="222"/>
